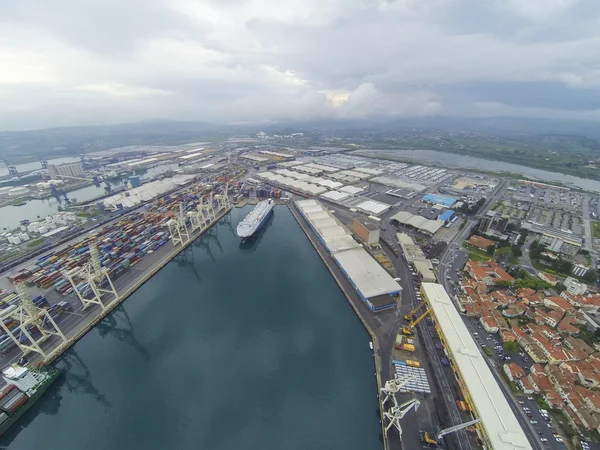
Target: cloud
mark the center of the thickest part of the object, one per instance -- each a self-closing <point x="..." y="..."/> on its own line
<point x="71" y="62"/>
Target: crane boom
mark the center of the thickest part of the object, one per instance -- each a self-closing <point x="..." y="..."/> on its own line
<point x="408" y="330"/>
<point x="458" y="427"/>
<point x="411" y="314"/>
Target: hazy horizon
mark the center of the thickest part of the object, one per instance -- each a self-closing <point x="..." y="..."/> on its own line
<point x="70" y="63"/>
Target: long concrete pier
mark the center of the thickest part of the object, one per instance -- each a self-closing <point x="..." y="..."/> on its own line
<point x="359" y="307"/>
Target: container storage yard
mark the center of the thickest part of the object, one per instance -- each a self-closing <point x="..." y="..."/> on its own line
<point x="73" y="286"/>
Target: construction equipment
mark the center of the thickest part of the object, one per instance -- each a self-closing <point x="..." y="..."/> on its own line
<point x="407" y="331"/>
<point x="411" y="315"/>
<point x="434" y="438"/>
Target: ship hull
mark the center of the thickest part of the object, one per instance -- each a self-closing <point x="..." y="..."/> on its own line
<point x="54" y="374"/>
<point x="247" y="232"/>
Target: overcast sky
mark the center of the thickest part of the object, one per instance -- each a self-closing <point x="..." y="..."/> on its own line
<point x="72" y="62"/>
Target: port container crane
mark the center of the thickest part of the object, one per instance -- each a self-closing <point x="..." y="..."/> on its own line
<point x="397" y="411"/>
<point x="434" y="438"/>
<point x="407" y="331"/>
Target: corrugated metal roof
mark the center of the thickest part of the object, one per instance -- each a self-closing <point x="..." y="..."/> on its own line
<point x="497" y="418"/>
<point x="369" y="277"/>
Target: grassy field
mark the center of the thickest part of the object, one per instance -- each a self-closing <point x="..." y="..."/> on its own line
<point x="476" y="254"/>
<point x="596" y="228"/>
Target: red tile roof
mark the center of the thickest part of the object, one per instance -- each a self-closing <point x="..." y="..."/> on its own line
<point x="480" y="242"/>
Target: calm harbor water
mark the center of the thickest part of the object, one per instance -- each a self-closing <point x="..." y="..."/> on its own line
<point x="11" y="216"/>
<point x="441" y="159"/>
<point x="232" y="346"/>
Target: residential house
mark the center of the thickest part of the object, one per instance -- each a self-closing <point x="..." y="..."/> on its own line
<point x="578" y="344"/>
<point x="513" y="371"/>
<point x="558" y="303"/>
<point x="525" y="385"/>
<point x="488" y="272"/>
<point x="567" y="325"/>
<point x="544" y="276"/>
<point x="508" y="336"/>
<point x="480" y="242"/>
<point x="553" y="399"/>
<point x="502" y="298"/>
<point x="473" y="309"/>
<point x="539" y="381"/>
<point x="525" y="292"/>
<point x="489" y="323"/>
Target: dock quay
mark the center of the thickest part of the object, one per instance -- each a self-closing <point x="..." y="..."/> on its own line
<point x="370" y="321"/>
<point x="133" y="248"/>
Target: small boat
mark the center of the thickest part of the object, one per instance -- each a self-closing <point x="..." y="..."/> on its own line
<point x="371" y="345"/>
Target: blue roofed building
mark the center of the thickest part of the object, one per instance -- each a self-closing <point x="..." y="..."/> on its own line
<point x="441" y="200"/>
<point x="447" y="215"/>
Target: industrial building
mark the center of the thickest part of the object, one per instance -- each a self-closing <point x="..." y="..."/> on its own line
<point x="367" y="231"/>
<point x="498" y="428"/>
<point x="255" y="159"/>
<point x="446" y="215"/>
<point x="399" y="184"/>
<point x="435" y="199"/>
<point x="375" y="286"/>
<point x="413" y="254"/>
<point x="556" y="240"/>
<point x="422" y="224"/>
<point x="65" y="170"/>
<point x="296" y="184"/>
<point x="362" y="204"/>
<point x="144" y="193"/>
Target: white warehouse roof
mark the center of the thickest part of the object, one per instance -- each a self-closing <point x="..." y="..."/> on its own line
<point x="419" y="222"/>
<point x="369" y="277"/>
<point x="497" y="418"/>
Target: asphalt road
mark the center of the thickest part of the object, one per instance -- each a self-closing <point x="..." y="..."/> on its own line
<point x="441" y="383"/>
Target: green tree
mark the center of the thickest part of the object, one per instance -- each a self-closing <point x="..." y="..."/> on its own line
<point x="591" y="276"/>
<point x="490" y="250"/>
<point x="511" y="346"/>
<point x="516" y="251"/>
<point x="504" y="253"/>
<point x="504" y="283"/>
<point x="563" y="266"/>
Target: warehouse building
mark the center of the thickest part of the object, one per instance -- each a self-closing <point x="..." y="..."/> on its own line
<point x="375" y="286"/>
<point x="65" y="170"/>
<point x="498" y="428"/>
<point x="422" y="224"/>
<point x="435" y="199"/>
<point x="367" y="231"/>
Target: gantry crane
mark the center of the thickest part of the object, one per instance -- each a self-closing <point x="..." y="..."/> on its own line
<point x="35" y="325"/>
<point x="397" y="411"/>
<point x="407" y="331"/>
<point x="434" y="438"/>
<point x="97" y="278"/>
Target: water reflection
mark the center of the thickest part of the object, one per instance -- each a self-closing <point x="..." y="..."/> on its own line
<point x="118" y="324"/>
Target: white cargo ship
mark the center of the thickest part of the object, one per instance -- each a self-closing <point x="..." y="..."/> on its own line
<point x="256" y="219"/>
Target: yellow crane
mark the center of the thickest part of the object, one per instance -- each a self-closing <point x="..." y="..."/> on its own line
<point x="411" y="315"/>
<point x="434" y="438"/>
<point x="407" y="331"/>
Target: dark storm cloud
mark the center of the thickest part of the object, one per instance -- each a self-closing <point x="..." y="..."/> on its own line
<point x="71" y="61"/>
